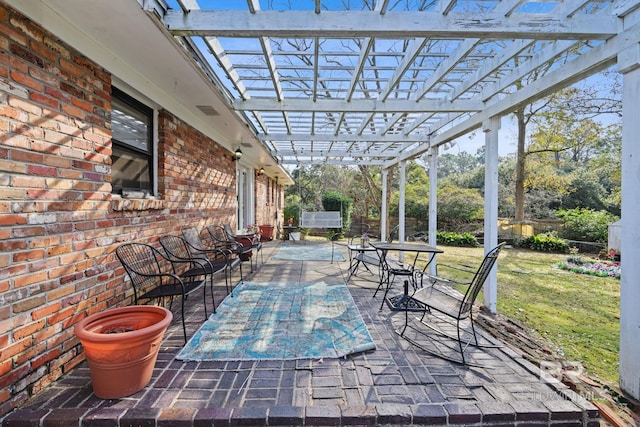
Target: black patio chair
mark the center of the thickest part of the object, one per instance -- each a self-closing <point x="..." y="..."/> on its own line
<point x="155" y="276"/>
<point x="197" y="248"/>
<point x="221" y="240"/>
<point x="438" y="297"/>
<point x="390" y="269"/>
<point x="177" y="250"/>
<point x="254" y="243"/>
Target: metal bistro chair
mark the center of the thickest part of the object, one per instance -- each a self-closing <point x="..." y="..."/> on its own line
<point x="198" y="248"/>
<point x="254" y="243"/>
<point x="177" y="250"/>
<point x="389" y="270"/>
<point x="221" y="240"/>
<point x="438" y="297"/>
<point x="153" y="275"/>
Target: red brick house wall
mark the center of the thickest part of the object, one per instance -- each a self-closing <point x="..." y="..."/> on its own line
<point x="267" y="206"/>
<point x="59" y="223"/>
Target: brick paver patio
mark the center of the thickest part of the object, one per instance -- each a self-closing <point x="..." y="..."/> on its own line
<point x="397" y="384"/>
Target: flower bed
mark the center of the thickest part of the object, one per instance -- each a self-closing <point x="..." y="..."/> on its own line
<point x="591" y="267"/>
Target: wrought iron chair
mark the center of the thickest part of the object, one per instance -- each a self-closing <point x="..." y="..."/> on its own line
<point x="389" y="270"/>
<point x="155" y="276"/>
<point x="365" y="254"/>
<point x="437" y="297"/>
<point x="221" y="240"/>
<point x="198" y="248"/>
<point x="253" y="243"/>
<point x="177" y="250"/>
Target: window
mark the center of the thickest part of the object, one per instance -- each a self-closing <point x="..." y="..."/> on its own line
<point x="132" y="158"/>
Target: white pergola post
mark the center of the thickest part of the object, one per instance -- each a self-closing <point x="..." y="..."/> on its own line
<point x="433" y="202"/>
<point x="629" y="66"/>
<point x="384" y="214"/>
<point x="401" y="214"/>
<point x="491" y="128"/>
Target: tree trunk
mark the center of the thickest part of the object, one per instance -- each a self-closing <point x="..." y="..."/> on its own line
<point x="374" y="193"/>
<point x="520" y="164"/>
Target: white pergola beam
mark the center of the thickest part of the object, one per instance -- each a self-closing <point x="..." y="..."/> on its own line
<point x="326" y="161"/>
<point x="348" y="24"/>
<point x="341" y="138"/>
<point x="309" y="152"/>
<point x="358" y="105"/>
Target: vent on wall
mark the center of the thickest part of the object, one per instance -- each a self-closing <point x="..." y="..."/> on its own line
<point x="208" y="110"/>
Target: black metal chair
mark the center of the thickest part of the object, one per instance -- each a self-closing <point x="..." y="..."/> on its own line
<point x="155" y="276"/>
<point x="438" y="297"/>
<point x="254" y="243"/>
<point x="197" y="248"/>
<point x="389" y="271"/>
<point x="177" y="250"/>
<point x="221" y="240"/>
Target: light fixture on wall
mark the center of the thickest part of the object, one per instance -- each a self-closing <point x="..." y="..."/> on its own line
<point x="237" y="155"/>
<point x="261" y="172"/>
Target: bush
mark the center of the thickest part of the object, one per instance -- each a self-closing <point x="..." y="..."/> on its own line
<point x="586" y="224"/>
<point x="547" y="242"/>
<point x="292" y="208"/>
<point x="336" y="201"/>
<point x="456" y="239"/>
<point x="459" y="206"/>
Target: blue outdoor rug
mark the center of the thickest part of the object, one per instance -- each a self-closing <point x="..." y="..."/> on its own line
<point x="281" y="321"/>
<point x="308" y="252"/>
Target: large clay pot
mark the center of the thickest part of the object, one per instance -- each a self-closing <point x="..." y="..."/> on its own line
<point x="121" y="346"/>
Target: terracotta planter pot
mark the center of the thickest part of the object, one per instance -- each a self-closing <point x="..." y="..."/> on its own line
<point x="121" y="346"/>
<point x="266" y="232"/>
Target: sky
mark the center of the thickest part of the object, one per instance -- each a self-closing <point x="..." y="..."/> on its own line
<point x="509" y="130"/>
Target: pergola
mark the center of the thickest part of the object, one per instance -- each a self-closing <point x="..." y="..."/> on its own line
<point x="381" y="82"/>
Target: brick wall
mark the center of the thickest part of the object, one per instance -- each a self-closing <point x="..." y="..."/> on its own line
<point x="267" y="192"/>
<point x="59" y="224"/>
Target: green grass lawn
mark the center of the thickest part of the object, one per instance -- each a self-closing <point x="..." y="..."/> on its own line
<point x="579" y="315"/>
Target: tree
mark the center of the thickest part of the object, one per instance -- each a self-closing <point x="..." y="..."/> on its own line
<point x="457" y="164"/>
<point x="458" y="206"/>
<point x="565" y="131"/>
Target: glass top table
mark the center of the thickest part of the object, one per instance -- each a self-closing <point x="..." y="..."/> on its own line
<point x="400" y="302"/>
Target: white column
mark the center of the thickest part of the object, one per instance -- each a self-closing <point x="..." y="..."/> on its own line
<point x="629" y="66"/>
<point x="384" y="214"/>
<point x="491" y="128"/>
<point x="401" y="214"/>
<point x="433" y="202"/>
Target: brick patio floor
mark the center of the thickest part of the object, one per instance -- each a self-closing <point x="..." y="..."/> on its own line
<point x="396" y="384"/>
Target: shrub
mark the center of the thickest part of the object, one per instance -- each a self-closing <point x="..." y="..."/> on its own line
<point x="336" y="201"/>
<point x="292" y="208"/>
<point x="547" y="242"/>
<point x="458" y="206"/>
<point x="456" y="239"/>
<point x="586" y="224"/>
